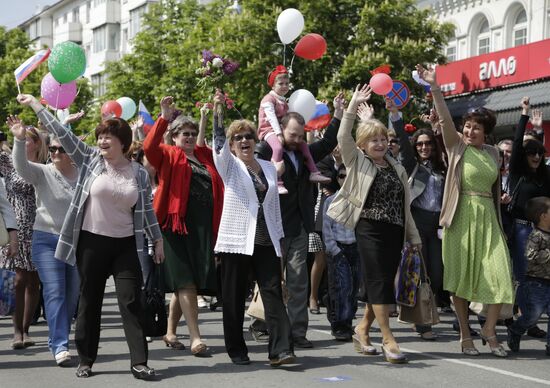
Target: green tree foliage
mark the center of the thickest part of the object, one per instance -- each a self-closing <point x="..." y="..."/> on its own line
<point x="14" y="50"/>
<point x="360" y="36"/>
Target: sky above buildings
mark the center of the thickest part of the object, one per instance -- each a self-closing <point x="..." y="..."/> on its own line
<point x="15" y="12"/>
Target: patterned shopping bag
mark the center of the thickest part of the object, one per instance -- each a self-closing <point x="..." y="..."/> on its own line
<point x="7" y="292"/>
<point x="408" y="278"/>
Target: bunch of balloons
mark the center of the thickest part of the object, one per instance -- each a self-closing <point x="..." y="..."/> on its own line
<point x="66" y="63"/>
<point x="123" y="107"/>
<point x="290" y="25"/>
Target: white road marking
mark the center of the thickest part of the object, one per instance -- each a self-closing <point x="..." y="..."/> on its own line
<point x="460" y="362"/>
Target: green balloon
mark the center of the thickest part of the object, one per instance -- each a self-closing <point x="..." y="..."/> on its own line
<point x="67" y="62"/>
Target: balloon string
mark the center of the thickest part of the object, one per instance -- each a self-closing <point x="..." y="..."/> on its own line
<point x="78" y="91"/>
<point x="291" y="63"/>
<point x="57" y="98"/>
<point x="284" y="55"/>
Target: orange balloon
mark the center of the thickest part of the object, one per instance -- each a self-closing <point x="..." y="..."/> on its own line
<point x="311" y="46"/>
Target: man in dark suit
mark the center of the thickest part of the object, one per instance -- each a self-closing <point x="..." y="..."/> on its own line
<point x="297" y="208"/>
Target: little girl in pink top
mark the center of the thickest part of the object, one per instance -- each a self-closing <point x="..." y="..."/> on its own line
<point x="272" y="109"/>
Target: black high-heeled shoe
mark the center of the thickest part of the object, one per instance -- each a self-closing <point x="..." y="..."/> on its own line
<point x="143" y="372"/>
<point x="84" y="371"/>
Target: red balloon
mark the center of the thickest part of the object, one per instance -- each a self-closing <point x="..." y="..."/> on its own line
<point x="311" y="46"/>
<point x="381" y="84"/>
<point x="111" y="108"/>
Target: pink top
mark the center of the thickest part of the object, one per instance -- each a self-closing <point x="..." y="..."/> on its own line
<point x="272" y="109"/>
<point x="113" y="194"/>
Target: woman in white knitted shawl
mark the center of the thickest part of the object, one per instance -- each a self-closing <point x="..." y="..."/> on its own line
<point x="249" y="239"/>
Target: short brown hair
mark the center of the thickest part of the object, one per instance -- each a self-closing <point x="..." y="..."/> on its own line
<point x="117" y="127"/>
<point x="240" y="126"/>
<point x="536" y="207"/>
<point x="292" y="115"/>
<point x="483" y="116"/>
<point x="181" y="122"/>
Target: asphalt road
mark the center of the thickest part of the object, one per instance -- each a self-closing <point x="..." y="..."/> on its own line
<point x="329" y="363"/>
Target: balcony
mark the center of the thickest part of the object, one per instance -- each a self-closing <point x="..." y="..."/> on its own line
<point x="105" y="12"/>
<point x="68" y="31"/>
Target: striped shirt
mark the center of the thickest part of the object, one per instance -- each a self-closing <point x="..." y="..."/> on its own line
<point x="333" y="232"/>
<point x="91" y="165"/>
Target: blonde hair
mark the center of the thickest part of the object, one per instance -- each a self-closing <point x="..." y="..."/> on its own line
<point x="369" y="129"/>
<point x="240" y="126"/>
<point x="392" y="133"/>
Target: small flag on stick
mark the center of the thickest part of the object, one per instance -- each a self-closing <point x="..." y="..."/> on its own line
<point x="29" y="66"/>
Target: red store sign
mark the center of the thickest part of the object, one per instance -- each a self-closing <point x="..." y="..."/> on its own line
<point x="510" y="66"/>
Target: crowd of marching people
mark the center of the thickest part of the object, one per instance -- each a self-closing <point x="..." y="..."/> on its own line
<point x="249" y="207"/>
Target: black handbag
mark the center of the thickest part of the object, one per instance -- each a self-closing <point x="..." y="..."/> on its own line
<point x="154" y="317"/>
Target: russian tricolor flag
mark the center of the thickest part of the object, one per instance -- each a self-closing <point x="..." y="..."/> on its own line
<point x="320" y="119"/>
<point x="146" y="117"/>
<point x="30" y="64"/>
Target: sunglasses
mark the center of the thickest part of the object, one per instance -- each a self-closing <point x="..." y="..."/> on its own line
<point x="342" y="176"/>
<point x="246" y="136"/>
<point x="53" y="149"/>
<point x="427" y="143"/>
<point x="533" y="152"/>
<point x="189" y="134"/>
<point x="393" y="141"/>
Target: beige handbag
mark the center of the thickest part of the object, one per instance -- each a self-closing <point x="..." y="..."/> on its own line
<point x="256" y="306"/>
<point x="424" y="312"/>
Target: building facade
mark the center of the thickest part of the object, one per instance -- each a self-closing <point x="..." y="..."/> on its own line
<point x="500" y="52"/>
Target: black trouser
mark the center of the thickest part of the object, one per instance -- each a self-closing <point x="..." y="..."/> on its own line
<point x="98" y="257"/>
<point x="266" y="268"/>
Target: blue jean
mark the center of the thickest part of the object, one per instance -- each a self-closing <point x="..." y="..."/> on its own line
<point x="343" y="284"/>
<point x="519" y="262"/>
<point x="60" y="288"/>
<point x="535" y="298"/>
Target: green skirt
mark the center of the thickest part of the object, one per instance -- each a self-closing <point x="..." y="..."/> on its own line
<point x="189" y="259"/>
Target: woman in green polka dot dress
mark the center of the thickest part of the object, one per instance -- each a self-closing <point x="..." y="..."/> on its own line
<point x="475" y="256"/>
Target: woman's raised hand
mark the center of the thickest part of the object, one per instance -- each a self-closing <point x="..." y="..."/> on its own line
<point x="16" y="127"/>
<point x="26" y="99"/>
<point x="427" y="74"/>
<point x="362" y="94"/>
<point x="365" y="112"/>
<point x="536" y="119"/>
<point x="339" y="102"/>
<point x="167" y="108"/>
<point x="73" y="117"/>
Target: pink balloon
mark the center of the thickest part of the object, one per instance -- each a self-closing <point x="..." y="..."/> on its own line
<point x="381" y="84"/>
<point x="58" y="96"/>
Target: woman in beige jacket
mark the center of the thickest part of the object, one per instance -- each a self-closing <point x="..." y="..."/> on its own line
<point x="475" y="256"/>
<point x="374" y="200"/>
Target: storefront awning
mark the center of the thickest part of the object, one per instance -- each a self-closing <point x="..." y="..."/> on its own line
<point x="506" y="102"/>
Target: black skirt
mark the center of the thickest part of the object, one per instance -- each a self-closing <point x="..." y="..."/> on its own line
<point x="380" y="245"/>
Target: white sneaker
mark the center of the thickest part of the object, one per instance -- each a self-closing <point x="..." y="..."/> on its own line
<point x="201" y="302"/>
<point x="63" y="358"/>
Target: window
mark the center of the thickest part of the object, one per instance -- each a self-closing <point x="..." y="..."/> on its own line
<point x="33" y="30"/>
<point x="106" y="37"/>
<point x="124" y="41"/>
<point x="98" y="84"/>
<point x="520" y="29"/>
<point x="451" y="53"/>
<point x="88" y="9"/>
<point x="76" y="15"/>
<point x="99" y="2"/>
<point x="135" y="20"/>
<point x="65" y="18"/>
<point x="57" y="22"/>
<point x="100" y="38"/>
<point x="484" y="38"/>
<point x="114" y="36"/>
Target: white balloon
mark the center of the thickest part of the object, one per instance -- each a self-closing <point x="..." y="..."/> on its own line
<point x="128" y="107"/>
<point x="290" y="25"/>
<point x="62" y="114"/>
<point x="303" y="102"/>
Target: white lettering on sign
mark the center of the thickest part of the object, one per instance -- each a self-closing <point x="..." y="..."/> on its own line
<point x="448" y="87"/>
<point x="505" y="66"/>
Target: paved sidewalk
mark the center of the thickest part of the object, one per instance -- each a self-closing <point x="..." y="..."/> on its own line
<point x="334" y="363"/>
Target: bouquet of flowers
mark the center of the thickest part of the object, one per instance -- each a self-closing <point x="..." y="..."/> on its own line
<point x="212" y="75"/>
